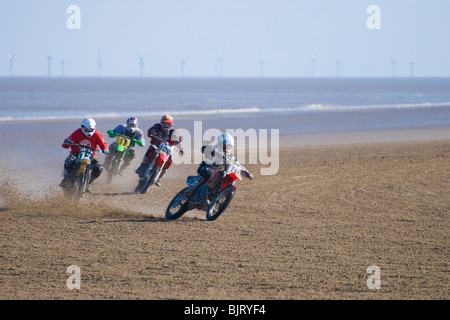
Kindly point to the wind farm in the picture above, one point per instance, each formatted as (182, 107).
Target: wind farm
(312, 68)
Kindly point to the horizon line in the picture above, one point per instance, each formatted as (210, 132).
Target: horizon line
(222, 77)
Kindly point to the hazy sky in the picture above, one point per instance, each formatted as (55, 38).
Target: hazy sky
(286, 34)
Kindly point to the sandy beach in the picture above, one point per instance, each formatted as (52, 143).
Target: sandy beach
(339, 204)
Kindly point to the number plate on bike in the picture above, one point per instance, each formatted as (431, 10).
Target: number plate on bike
(85, 154)
(123, 142)
(165, 148)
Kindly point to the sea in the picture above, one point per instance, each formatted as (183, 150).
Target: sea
(293, 105)
(37, 114)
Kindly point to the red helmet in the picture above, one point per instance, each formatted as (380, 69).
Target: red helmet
(166, 123)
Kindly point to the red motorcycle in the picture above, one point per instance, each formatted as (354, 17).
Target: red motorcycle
(152, 172)
(213, 196)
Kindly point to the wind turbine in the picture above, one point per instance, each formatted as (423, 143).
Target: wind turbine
(313, 61)
(261, 68)
(141, 64)
(62, 67)
(11, 63)
(338, 68)
(220, 62)
(411, 64)
(99, 64)
(49, 62)
(394, 62)
(183, 63)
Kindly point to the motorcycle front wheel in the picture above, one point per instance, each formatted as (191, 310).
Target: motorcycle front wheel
(177, 207)
(79, 186)
(146, 181)
(220, 203)
(84, 182)
(71, 190)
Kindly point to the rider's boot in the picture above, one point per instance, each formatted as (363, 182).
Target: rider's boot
(65, 181)
(88, 187)
(158, 183)
(193, 187)
(96, 172)
(141, 167)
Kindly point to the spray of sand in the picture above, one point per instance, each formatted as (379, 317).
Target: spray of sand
(52, 201)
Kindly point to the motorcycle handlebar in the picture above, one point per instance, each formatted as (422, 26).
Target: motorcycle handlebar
(113, 133)
(241, 168)
(156, 137)
(161, 140)
(80, 145)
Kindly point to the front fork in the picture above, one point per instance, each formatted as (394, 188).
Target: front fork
(149, 162)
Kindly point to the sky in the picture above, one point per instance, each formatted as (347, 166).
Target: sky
(225, 38)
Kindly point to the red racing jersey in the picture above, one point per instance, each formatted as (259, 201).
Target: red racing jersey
(79, 137)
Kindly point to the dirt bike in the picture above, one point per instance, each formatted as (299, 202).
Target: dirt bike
(213, 196)
(116, 158)
(81, 174)
(152, 172)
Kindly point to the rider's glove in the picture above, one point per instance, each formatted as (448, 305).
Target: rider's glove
(250, 175)
(182, 151)
(67, 141)
(105, 151)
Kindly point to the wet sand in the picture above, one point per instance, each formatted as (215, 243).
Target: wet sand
(337, 206)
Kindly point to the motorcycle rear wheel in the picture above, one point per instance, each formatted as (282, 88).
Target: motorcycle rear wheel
(114, 169)
(220, 203)
(176, 208)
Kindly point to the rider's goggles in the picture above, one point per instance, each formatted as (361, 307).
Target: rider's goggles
(88, 129)
(166, 125)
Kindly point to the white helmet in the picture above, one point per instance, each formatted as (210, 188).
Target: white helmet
(88, 126)
(225, 143)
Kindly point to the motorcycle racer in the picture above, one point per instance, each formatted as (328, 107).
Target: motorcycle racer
(131, 130)
(216, 157)
(86, 135)
(163, 130)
